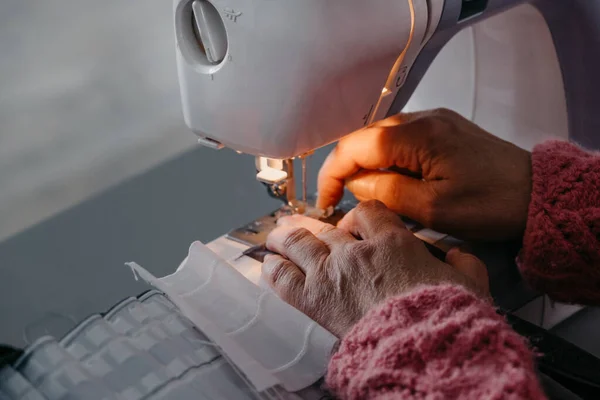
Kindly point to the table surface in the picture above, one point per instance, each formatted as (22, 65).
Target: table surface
(72, 265)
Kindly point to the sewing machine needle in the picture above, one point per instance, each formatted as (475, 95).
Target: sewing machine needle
(304, 179)
(291, 183)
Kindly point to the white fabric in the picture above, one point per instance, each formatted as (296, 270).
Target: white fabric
(271, 342)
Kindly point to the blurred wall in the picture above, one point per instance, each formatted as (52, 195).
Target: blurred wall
(88, 97)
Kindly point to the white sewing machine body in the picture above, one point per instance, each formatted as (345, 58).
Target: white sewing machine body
(279, 79)
(291, 77)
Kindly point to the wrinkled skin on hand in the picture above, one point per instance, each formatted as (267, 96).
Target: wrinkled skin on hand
(336, 274)
(460, 179)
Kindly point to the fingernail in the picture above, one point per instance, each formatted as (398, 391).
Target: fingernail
(285, 220)
(452, 251)
(360, 184)
(266, 265)
(321, 203)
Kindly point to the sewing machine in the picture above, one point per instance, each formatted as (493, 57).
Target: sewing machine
(279, 79)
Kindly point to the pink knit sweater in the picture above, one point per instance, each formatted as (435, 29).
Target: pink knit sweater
(441, 342)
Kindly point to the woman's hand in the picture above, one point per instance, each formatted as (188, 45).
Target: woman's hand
(459, 178)
(335, 275)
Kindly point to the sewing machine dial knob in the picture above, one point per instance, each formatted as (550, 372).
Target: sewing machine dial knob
(209, 30)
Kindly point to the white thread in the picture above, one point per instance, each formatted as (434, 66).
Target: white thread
(133, 270)
(256, 315)
(301, 353)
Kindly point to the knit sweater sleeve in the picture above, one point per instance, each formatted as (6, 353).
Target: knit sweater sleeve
(435, 342)
(561, 246)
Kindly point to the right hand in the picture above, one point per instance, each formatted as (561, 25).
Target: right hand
(470, 183)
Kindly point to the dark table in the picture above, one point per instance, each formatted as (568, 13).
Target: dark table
(61, 270)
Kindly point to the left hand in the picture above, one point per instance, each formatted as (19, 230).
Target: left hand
(450, 175)
(335, 275)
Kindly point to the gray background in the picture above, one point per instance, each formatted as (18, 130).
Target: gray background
(88, 97)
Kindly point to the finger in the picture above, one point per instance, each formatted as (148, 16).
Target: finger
(286, 279)
(391, 143)
(325, 232)
(298, 245)
(300, 221)
(471, 266)
(402, 194)
(369, 219)
(400, 118)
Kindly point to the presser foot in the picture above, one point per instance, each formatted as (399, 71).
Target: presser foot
(255, 233)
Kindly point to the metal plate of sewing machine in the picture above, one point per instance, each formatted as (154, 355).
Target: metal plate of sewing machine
(254, 234)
